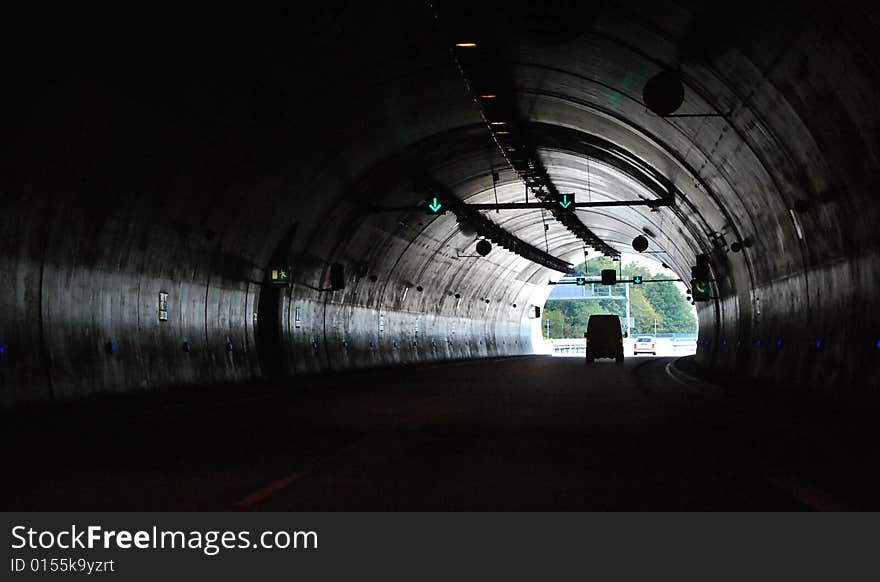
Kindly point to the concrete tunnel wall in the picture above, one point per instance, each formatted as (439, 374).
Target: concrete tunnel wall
(191, 167)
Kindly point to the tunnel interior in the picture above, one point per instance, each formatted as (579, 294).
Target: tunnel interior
(155, 172)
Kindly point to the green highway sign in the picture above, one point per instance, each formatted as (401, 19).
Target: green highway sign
(280, 276)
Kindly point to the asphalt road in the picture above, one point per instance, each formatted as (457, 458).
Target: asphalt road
(535, 433)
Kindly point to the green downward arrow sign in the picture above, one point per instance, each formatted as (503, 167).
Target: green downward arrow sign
(435, 206)
(565, 203)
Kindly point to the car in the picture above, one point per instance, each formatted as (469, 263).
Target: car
(644, 345)
(604, 338)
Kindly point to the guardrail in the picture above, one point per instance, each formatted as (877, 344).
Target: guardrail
(579, 345)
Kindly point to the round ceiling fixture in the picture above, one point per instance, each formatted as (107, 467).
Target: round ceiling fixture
(640, 244)
(484, 247)
(664, 92)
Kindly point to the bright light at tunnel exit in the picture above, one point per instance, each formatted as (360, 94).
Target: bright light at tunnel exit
(675, 344)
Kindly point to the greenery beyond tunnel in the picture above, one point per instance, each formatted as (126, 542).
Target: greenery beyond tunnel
(662, 304)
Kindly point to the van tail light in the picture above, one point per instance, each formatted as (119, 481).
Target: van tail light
(588, 340)
(652, 346)
(621, 341)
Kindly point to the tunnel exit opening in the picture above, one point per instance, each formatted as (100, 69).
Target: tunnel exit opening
(658, 316)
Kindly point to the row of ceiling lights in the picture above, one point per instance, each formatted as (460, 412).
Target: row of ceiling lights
(500, 113)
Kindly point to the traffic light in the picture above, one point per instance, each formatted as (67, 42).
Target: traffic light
(700, 279)
(435, 205)
(609, 277)
(637, 280)
(701, 289)
(581, 281)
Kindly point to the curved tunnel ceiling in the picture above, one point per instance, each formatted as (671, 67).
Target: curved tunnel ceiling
(185, 159)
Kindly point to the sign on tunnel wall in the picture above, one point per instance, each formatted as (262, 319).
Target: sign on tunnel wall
(280, 275)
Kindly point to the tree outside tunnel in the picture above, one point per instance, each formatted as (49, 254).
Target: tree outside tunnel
(661, 302)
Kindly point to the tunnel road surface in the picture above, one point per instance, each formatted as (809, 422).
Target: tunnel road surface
(530, 433)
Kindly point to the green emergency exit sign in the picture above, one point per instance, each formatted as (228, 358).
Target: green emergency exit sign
(280, 276)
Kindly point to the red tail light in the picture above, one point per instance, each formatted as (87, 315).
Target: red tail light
(588, 340)
(621, 341)
(652, 346)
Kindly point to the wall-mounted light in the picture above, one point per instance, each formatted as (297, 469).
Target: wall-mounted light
(465, 45)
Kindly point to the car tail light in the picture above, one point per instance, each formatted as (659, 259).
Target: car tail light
(621, 341)
(588, 340)
(652, 346)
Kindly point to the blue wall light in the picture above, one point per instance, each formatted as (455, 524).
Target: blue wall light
(110, 347)
(818, 344)
(230, 347)
(758, 343)
(779, 343)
